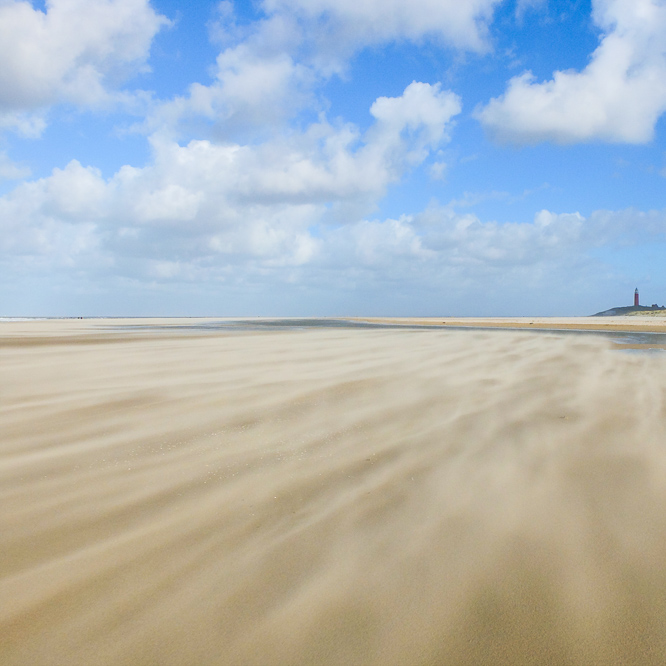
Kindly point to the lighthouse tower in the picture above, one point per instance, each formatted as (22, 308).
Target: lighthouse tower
(636, 297)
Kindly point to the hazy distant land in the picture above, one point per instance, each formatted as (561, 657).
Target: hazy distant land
(633, 310)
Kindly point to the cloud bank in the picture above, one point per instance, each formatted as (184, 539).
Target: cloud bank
(251, 184)
(215, 205)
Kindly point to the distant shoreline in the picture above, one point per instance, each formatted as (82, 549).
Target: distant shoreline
(650, 324)
(654, 322)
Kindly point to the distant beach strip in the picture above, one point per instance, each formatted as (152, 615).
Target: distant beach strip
(625, 332)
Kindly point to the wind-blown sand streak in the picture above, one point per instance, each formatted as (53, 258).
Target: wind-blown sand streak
(330, 497)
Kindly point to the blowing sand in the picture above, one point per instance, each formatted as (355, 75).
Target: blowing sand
(329, 496)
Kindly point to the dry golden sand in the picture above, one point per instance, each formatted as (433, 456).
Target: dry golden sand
(329, 496)
(654, 322)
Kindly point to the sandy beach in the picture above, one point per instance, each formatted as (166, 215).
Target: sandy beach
(654, 322)
(389, 496)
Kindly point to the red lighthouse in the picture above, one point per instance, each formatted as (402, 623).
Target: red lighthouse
(636, 298)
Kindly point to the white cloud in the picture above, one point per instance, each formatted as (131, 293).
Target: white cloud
(523, 6)
(26, 124)
(351, 24)
(11, 171)
(211, 215)
(440, 250)
(80, 51)
(618, 97)
(378, 244)
(422, 108)
(206, 204)
(259, 84)
(76, 51)
(438, 171)
(464, 238)
(197, 214)
(268, 72)
(294, 210)
(251, 92)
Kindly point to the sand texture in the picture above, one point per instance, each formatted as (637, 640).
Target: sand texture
(654, 322)
(316, 497)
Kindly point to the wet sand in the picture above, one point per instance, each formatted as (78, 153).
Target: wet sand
(329, 496)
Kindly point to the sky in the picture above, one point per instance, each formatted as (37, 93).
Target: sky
(331, 157)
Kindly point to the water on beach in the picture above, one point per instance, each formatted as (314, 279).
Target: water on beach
(331, 495)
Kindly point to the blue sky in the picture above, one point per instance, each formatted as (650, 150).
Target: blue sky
(331, 157)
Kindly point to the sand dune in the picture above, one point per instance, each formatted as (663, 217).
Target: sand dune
(329, 497)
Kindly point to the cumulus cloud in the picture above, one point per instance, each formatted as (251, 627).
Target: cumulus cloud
(440, 248)
(251, 92)
(259, 82)
(80, 51)
(207, 205)
(350, 24)
(618, 97)
(10, 170)
(211, 215)
(173, 223)
(267, 73)
(228, 211)
(76, 51)
(523, 6)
